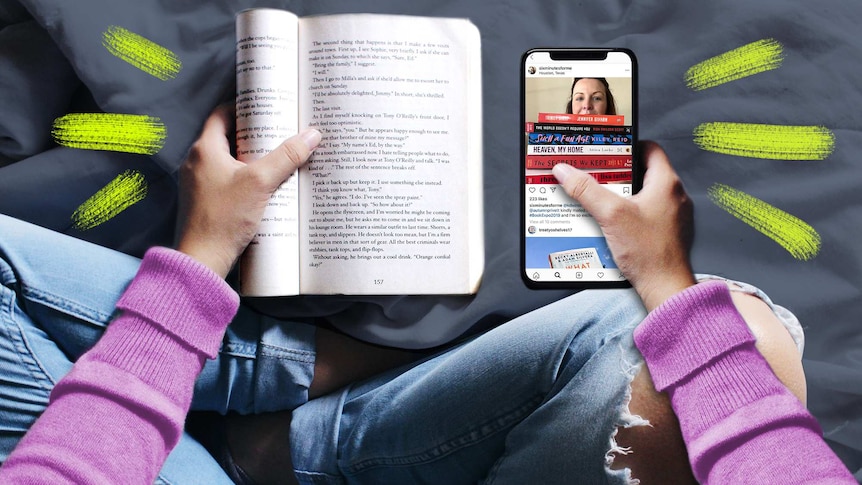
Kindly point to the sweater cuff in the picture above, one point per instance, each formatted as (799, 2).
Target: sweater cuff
(689, 330)
(182, 297)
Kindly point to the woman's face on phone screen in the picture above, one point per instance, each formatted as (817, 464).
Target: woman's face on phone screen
(589, 97)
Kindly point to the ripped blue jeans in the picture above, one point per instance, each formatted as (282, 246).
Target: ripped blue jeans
(533, 401)
(536, 400)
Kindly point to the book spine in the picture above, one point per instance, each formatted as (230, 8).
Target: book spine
(617, 120)
(579, 149)
(547, 162)
(607, 177)
(612, 177)
(572, 128)
(579, 139)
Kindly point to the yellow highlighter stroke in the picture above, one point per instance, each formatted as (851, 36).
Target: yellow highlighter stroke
(795, 235)
(127, 189)
(756, 57)
(777, 142)
(140, 134)
(142, 53)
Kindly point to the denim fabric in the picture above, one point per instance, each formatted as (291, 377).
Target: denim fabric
(533, 401)
(58, 293)
(536, 400)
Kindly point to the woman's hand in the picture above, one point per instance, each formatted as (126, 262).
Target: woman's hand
(222, 199)
(650, 233)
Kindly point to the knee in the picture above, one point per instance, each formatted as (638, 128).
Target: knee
(657, 452)
(773, 342)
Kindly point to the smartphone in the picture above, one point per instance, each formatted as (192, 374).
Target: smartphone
(579, 107)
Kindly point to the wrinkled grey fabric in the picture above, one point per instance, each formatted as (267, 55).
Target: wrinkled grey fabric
(52, 62)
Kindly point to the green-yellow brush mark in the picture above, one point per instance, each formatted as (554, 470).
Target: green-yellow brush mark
(738, 63)
(110, 131)
(792, 233)
(130, 187)
(141, 52)
(778, 142)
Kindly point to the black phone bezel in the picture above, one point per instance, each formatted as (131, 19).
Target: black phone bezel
(580, 53)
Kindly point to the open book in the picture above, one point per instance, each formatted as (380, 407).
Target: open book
(391, 201)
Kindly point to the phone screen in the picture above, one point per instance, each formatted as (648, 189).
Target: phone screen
(579, 107)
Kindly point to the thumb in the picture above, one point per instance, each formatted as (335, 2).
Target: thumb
(582, 187)
(279, 164)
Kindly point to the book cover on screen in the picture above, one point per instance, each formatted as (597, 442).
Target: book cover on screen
(581, 258)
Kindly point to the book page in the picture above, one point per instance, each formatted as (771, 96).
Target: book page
(392, 199)
(266, 114)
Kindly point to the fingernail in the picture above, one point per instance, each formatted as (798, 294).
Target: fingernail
(311, 138)
(563, 171)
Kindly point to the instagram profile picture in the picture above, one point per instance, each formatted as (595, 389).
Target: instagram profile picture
(531, 229)
(531, 69)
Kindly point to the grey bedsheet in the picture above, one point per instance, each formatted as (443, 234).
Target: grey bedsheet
(52, 63)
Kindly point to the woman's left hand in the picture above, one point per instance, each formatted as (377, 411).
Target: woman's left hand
(222, 199)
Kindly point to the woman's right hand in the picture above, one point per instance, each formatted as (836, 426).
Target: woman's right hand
(650, 233)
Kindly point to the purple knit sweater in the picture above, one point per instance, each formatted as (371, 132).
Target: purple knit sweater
(115, 417)
(739, 423)
(129, 395)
